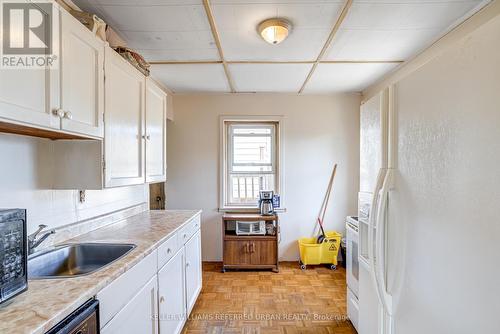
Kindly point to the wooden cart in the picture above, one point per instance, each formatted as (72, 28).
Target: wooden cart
(249, 251)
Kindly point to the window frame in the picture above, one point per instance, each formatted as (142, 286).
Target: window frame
(225, 148)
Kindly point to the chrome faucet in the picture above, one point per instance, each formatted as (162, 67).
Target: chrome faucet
(34, 242)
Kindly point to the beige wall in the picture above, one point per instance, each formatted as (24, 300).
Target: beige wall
(318, 132)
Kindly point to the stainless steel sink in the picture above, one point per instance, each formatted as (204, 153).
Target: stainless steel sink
(75, 260)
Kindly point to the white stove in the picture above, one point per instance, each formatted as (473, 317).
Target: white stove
(352, 251)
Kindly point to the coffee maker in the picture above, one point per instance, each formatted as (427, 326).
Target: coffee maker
(266, 202)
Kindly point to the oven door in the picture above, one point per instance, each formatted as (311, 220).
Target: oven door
(352, 244)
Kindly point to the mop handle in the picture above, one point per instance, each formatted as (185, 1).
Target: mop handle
(324, 206)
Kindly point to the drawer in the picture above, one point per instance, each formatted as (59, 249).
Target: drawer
(188, 230)
(88, 326)
(352, 308)
(167, 250)
(117, 294)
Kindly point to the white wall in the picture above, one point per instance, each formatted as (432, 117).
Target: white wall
(25, 180)
(318, 132)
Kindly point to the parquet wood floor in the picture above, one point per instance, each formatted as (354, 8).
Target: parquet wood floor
(261, 302)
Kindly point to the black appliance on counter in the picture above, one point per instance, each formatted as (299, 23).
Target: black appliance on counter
(13, 253)
(85, 320)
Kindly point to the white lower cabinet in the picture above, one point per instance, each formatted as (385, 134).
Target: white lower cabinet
(172, 309)
(158, 293)
(139, 315)
(193, 270)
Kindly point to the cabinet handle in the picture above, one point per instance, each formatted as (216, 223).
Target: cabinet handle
(169, 251)
(154, 317)
(187, 264)
(58, 112)
(246, 248)
(68, 115)
(162, 299)
(252, 248)
(185, 235)
(146, 137)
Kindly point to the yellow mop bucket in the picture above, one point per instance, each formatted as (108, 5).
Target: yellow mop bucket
(325, 253)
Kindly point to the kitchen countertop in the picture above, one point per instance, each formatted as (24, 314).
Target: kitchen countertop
(49, 301)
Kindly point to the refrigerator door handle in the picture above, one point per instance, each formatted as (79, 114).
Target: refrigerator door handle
(372, 225)
(380, 245)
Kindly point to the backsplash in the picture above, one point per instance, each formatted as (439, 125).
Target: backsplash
(67, 232)
(25, 182)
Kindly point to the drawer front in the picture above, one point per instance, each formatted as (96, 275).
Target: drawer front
(167, 250)
(116, 295)
(352, 308)
(189, 230)
(89, 326)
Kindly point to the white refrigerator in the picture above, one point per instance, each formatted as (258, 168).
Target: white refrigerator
(430, 195)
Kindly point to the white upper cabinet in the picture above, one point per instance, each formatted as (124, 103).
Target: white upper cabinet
(82, 79)
(29, 96)
(156, 132)
(68, 96)
(124, 143)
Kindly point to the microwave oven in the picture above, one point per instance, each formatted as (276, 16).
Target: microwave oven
(13, 253)
(250, 228)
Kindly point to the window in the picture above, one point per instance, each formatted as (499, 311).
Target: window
(250, 161)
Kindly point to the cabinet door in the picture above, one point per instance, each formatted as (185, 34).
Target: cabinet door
(193, 270)
(139, 315)
(171, 291)
(263, 252)
(123, 122)
(82, 78)
(28, 96)
(236, 252)
(156, 132)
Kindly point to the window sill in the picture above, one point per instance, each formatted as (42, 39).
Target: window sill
(247, 210)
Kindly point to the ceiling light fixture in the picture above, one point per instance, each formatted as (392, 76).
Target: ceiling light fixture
(274, 31)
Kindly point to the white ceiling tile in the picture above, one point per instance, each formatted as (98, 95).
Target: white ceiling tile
(269, 77)
(156, 18)
(247, 45)
(180, 55)
(175, 45)
(191, 78)
(311, 23)
(147, 2)
(333, 78)
(394, 29)
(413, 15)
(379, 44)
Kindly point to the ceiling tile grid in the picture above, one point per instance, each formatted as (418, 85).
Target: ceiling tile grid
(160, 30)
(373, 30)
(394, 29)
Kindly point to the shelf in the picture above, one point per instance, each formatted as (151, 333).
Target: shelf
(248, 217)
(25, 130)
(233, 236)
